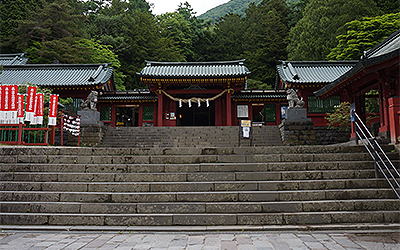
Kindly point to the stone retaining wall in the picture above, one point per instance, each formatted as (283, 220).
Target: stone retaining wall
(304, 133)
(92, 134)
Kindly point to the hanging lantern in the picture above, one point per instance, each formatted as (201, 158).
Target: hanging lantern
(190, 103)
(198, 103)
(180, 103)
(208, 104)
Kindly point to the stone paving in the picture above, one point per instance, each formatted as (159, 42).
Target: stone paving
(371, 240)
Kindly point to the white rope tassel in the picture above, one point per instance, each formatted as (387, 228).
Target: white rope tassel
(180, 103)
(198, 102)
(208, 104)
(190, 103)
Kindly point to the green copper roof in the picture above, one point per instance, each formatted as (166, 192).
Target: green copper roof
(13, 59)
(194, 69)
(57, 75)
(313, 72)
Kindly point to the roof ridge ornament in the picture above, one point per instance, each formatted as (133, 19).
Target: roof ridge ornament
(96, 73)
(293, 71)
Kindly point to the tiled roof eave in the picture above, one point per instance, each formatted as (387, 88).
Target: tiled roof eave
(355, 70)
(192, 77)
(194, 70)
(60, 75)
(312, 73)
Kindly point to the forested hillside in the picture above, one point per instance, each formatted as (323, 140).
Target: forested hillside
(234, 6)
(126, 33)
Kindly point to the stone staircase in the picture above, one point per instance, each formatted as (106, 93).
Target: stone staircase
(188, 137)
(194, 186)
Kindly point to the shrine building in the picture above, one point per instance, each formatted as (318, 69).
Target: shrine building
(192, 94)
(377, 70)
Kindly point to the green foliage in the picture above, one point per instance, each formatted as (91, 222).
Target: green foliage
(200, 34)
(265, 36)
(262, 35)
(297, 9)
(232, 7)
(314, 35)
(256, 84)
(388, 6)
(174, 26)
(363, 35)
(340, 118)
(12, 12)
(228, 31)
(53, 22)
(135, 36)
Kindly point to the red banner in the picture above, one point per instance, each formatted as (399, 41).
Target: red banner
(13, 97)
(2, 113)
(53, 110)
(30, 103)
(38, 109)
(20, 111)
(13, 104)
(6, 98)
(53, 105)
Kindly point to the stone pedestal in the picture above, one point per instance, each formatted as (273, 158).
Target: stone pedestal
(92, 129)
(297, 132)
(296, 115)
(90, 117)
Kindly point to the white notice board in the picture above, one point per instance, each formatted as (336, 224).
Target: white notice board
(242, 111)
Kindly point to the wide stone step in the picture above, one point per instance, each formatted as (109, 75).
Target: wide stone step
(188, 136)
(209, 196)
(337, 217)
(190, 177)
(201, 207)
(192, 186)
(180, 159)
(184, 168)
(102, 151)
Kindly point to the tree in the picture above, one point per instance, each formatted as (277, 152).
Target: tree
(363, 35)
(200, 33)
(55, 21)
(229, 40)
(314, 35)
(388, 6)
(134, 34)
(340, 118)
(13, 11)
(173, 25)
(265, 38)
(297, 9)
(144, 41)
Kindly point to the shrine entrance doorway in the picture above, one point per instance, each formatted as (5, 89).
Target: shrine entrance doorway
(196, 116)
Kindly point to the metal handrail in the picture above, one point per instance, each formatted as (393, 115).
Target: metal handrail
(376, 152)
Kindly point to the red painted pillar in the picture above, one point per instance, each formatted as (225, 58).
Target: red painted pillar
(160, 109)
(113, 115)
(394, 118)
(20, 130)
(229, 108)
(384, 109)
(140, 122)
(52, 135)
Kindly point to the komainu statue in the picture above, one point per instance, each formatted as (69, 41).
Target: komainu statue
(91, 101)
(293, 99)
